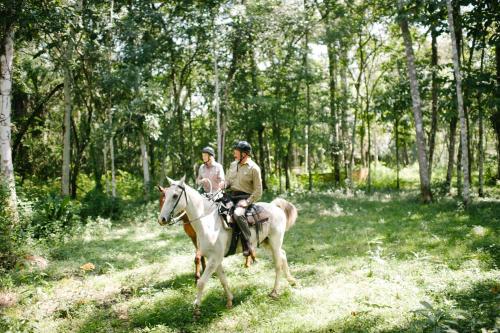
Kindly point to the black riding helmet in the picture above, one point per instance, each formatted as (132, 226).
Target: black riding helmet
(209, 150)
(243, 147)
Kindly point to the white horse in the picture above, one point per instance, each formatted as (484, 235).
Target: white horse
(214, 240)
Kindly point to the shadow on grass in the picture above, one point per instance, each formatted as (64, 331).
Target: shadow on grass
(108, 255)
(474, 309)
(176, 312)
(353, 323)
(401, 225)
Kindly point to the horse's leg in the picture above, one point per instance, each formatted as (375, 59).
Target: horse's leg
(275, 249)
(225, 285)
(203, 262)
(188, 229)
(286, 270)
(207, 273)
(275, 243)
(248, 261)
(197, 260)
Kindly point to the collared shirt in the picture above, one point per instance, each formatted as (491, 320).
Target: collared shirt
(245, 178)
(214, 172)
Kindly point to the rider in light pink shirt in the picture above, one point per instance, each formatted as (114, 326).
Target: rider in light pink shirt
(210, 170)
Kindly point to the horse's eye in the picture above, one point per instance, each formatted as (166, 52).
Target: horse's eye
(175, 196)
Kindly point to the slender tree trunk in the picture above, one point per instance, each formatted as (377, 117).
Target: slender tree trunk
(357, 86)
(343, 80)
(425, 186)
(308, 107)
(460, 103)
(220, 136)
(262, 156)
(451, 153)
(396, 130)
(481, 147)
(434, 98)
(481, 131)
(495, 118)
(335, 151)
(288, 158)
(6, 165)
(145, 166)
(110, 111)
(368, 126)
(105, 159)
(459, 169)
(191, 136)
(65, 180)
(260, 127)
(353, 138)
(112, 155)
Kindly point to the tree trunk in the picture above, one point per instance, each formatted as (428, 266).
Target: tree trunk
(288, 158)
(6, 165)
(434, 98)
(451, 153)
(481, 132)
(396, 130)
(308, 107)
(145, 166)
(343, 80)
(65, 179)
(105, 163)
(459, 169)
(425, 187)
(368, 127)
(495, 118)
(335, 151)
(220, 141)
(262, 156)
(112, 156)
(460, 105)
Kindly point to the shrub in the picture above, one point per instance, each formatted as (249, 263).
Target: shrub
(97, 203)
(6, 239)
(54, 216)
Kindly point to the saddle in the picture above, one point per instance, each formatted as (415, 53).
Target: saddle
(252, 214)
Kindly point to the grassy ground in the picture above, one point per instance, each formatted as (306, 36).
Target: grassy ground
(379, 263)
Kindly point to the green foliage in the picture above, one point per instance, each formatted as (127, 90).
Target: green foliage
(54, 217)
(97, 203)
(6, 235)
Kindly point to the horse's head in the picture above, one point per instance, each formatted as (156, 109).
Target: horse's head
(173, 201)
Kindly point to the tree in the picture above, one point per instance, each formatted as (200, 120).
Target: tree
(460, 105)
(6, 165)
(425, 186)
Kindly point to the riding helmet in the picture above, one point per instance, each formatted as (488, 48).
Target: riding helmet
(209, 150)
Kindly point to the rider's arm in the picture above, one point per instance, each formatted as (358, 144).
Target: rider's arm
(199, 178)
(257, 186)
(221, 177)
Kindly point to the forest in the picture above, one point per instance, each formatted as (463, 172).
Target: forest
(357, 111)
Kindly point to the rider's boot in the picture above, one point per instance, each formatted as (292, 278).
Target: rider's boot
(248, 250)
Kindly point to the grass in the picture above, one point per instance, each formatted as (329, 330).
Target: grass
(378, 263)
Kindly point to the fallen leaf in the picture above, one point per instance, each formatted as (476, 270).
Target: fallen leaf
(88, 267)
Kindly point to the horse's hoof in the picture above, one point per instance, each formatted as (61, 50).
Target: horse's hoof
(273, 294)
(196, 313)
(293, 282)
(229, 305)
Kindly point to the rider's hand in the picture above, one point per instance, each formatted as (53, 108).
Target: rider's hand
(243, 203)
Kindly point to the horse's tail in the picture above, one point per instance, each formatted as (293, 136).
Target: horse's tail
(289, 209)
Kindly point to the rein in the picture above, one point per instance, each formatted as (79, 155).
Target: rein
(179, 217)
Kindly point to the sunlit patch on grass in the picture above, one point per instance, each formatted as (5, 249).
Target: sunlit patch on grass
(363, 263)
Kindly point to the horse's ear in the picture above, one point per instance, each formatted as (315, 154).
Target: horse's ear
(181, 182)
(170, 181)
(161, 189)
